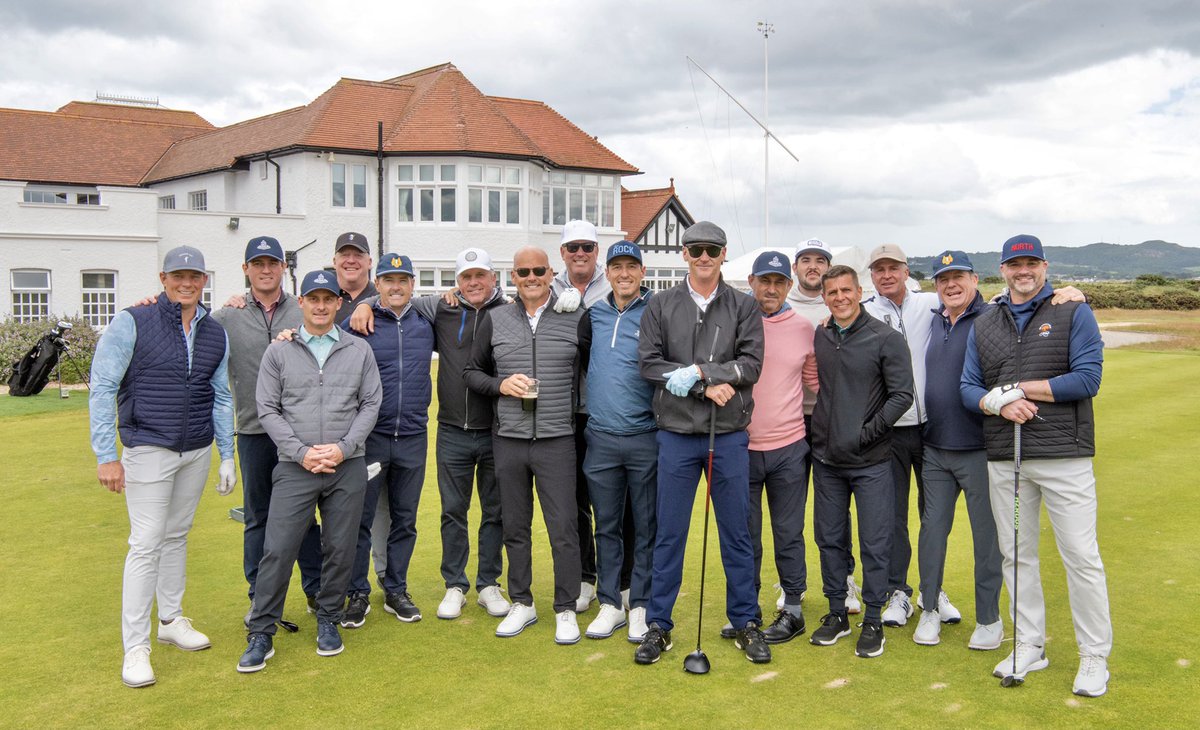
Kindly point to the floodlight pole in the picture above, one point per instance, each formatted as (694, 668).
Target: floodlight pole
(766, 29)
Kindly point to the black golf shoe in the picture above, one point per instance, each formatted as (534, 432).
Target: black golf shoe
(729, 632)
(656, 642)
(833, 627)
(870, 641)
(751, 641)
(357, 609)
(401, 606)
(784, 628)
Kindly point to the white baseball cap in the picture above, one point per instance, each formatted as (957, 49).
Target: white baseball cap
(814, 245)
(579, 231)
(472, 258)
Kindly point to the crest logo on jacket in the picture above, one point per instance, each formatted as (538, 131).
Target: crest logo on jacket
(1044, 329)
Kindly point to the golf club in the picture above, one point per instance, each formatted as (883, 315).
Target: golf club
(697, 661)
(1012, 680)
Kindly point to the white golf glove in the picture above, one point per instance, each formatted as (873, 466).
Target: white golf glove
(680, 381)
(226, 477)
(568, 301)
(1001, 396)
(373, 470)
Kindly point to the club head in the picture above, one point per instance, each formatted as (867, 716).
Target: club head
(1011, 681)
(696, 663)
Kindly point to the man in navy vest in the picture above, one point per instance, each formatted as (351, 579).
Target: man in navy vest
(1043, 366)
(402, 341)
(161, 371)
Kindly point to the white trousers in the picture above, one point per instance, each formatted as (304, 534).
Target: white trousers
(1068, 489)
(162, 490)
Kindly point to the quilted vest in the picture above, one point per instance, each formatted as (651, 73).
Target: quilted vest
(403, 348)
(550, 355)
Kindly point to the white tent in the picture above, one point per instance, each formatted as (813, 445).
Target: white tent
(736, 271)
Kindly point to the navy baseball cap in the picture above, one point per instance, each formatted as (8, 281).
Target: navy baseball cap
(772, 262)
(183, 258)
(319, 279)
(623, 248)
(952, 261)
(263, 246)
(1022, 245)
(357, 240)
(394, 263)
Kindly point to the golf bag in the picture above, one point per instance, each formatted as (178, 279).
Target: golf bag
(31, 373)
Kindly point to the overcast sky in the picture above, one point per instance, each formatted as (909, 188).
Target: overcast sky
(931, 124)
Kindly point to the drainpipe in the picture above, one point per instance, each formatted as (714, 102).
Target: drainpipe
(379, 196)
(278, 186)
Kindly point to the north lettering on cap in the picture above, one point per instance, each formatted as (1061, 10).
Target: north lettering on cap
(1022, 247)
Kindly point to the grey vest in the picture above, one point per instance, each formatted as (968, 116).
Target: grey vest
(550, 355)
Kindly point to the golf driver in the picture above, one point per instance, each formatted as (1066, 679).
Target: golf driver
(1012, 680)
(697, 661)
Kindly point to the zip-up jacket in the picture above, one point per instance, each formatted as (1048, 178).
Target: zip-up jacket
(866, 384)
(726, 341)
(911, 319)
(504, 345)
(249, 334)
(403, 348)
(950, 426)
(619, 400)
(596, 290)
(301, 405)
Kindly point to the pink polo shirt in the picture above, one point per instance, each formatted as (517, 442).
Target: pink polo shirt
(788, 365)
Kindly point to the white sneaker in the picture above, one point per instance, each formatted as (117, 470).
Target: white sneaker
(625, 599)
(637, 624)
(493, 602)
(606, 622)
(452, 605)
(180, 633)
(566, 630)
(137, 672)
(1092, 678)
(853, 596)
(587, 594)
(945, 609)
(986, 637)
(898, 609)
(1030, 658)
(929, 629)
(519, 616)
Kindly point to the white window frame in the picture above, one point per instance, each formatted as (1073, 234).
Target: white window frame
(585, 196)
(166, 202)
(99, 304)
(495, 186)
(416, 180)
(198, 200)
(350, 186)
(206, 296)
(30, 303)
(45, 196)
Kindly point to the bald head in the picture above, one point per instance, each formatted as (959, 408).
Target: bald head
(531, 275)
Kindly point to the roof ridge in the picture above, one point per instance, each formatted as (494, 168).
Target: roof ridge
(397, 80)
(106, 120)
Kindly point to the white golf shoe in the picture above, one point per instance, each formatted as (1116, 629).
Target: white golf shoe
(1092, 678)
(519, 616)
(606, 622)
(637, 624)
(136, 671)
(587, 594)
(929, 629)
(566, 628)
(945, 609)
(853, 596)
(625, 599)
(898, 609)
(986, 637)
(1030, 658)
(181, 634)
(493, 602)
(452, 604)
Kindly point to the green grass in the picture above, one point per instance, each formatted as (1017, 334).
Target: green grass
(63, 539)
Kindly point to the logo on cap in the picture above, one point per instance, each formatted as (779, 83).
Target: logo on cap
(947, 260)
(349, 236)
(263, 245)
(1022, 247)
(395, 262)
(186, 257)
(320, 279)
(775, 261)
(469, 256)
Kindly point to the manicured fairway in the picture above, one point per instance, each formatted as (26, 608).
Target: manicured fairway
(62, 547)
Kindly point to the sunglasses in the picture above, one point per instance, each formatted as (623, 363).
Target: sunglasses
(574, 247)
(698, 250)
(536, 271)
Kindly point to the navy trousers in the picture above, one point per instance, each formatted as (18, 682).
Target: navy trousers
(402, 474)
(780, 472)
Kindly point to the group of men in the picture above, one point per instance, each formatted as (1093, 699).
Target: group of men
(610, 400)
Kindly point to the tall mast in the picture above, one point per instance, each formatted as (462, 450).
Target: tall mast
(766, 29)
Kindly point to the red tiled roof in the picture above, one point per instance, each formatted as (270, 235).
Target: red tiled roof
(154, 115)
(435, 110)
(55, 147)
(639, 208)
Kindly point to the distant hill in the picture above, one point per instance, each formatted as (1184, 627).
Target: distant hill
(1094, 261)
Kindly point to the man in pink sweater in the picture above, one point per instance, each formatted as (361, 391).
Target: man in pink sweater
(778, 451)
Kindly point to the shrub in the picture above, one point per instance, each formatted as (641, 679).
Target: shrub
(17, 338)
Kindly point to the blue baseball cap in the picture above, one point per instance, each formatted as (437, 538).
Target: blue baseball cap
(319, 279)
(772, 262)
(183, 258)
(952, 261)
(264, 246)
(1022, 245)
(623, 248)
(394, 263)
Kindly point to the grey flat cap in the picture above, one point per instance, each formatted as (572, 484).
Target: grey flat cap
(704, 232)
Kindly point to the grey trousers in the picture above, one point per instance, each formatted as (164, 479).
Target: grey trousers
(296, 492)
(783, 474)
(947, 473)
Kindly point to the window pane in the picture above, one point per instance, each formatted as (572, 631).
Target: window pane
(493, 206)
(546, 207)
(591, 180)
(513, 214)
(96, 280)
(406, 204)
(560, 206)
(338, 175)
(167, 202)
(512, 175)
(448, 211)
(448, 173)
(198, 200)
(426, 172)
(558, 177)
(590, 209)
(606, 181)
(475, 205)
(405, 173)
(474, 173)
(426, 276)
(31, 280)
(493, 174)
(360, 186)
(574, 178)
(426, 204)
(447, 278)
(607, 209)
(576, 210)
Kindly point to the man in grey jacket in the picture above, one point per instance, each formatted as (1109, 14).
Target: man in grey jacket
(318, 397)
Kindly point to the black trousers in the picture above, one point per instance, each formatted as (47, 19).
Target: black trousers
(907, 457)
